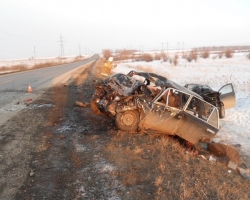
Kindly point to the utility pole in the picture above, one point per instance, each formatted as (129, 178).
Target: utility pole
(79, 49)
(61, 45)
(34, 53)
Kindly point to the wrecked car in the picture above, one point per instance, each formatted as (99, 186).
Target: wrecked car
(147, 101)
(223, 98)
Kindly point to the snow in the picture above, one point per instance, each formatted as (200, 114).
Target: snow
(215, 72)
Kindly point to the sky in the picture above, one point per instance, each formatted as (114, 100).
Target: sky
(40, 28)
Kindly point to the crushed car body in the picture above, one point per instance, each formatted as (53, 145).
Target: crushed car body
(223, 99)
(147, 101)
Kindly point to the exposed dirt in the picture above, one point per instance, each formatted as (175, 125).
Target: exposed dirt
(54, 149)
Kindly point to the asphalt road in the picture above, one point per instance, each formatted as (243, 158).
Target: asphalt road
(38, 78)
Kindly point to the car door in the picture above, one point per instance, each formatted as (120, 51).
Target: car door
(200, 121)
(160, 116)
(227, 95)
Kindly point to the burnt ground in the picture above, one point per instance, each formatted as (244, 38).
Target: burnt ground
(54, 149)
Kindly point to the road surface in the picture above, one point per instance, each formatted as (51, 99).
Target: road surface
(38, 78)
(14, 94)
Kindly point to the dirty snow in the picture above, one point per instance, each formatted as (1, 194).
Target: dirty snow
(215, 72)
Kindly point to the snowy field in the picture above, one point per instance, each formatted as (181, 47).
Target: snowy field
(215, 72)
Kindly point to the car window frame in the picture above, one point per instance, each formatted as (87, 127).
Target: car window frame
(184, 108)
(215, 109)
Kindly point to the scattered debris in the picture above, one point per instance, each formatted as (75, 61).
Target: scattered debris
(27, 100)
(11, 109)
(80, 104)
(62, 137)
(212, 159)
(232, 165)
(223, 150)
(245, 173)
(32, 173)
(40, 105)
(64, 128)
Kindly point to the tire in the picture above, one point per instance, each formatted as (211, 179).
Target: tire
(222, 111)
(128, 120)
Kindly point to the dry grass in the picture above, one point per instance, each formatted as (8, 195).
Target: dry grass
(205, 54)
(220, 54)
(157, 56)
(147, 57)
(229, 53)
(175, 61)
(155, 166)
(164, 56)
(158, 181)
(107, 53)
(192, 56)
(14, 68)
(46, 64)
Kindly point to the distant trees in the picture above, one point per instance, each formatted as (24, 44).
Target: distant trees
(164, 56)
(106, 53)
(175, 61)
(147, 57)
(229, 53)
(205, 54)
(157, 56)
(192, 56)
(220, 54)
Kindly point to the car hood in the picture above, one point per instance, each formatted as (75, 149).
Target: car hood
(123, 84)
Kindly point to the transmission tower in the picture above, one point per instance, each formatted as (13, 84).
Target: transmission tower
(61, 45)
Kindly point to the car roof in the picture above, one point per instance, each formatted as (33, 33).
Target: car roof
(162, 81)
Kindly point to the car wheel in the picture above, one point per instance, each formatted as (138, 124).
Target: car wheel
(128, 120)
(94, 107)
(222, 111)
